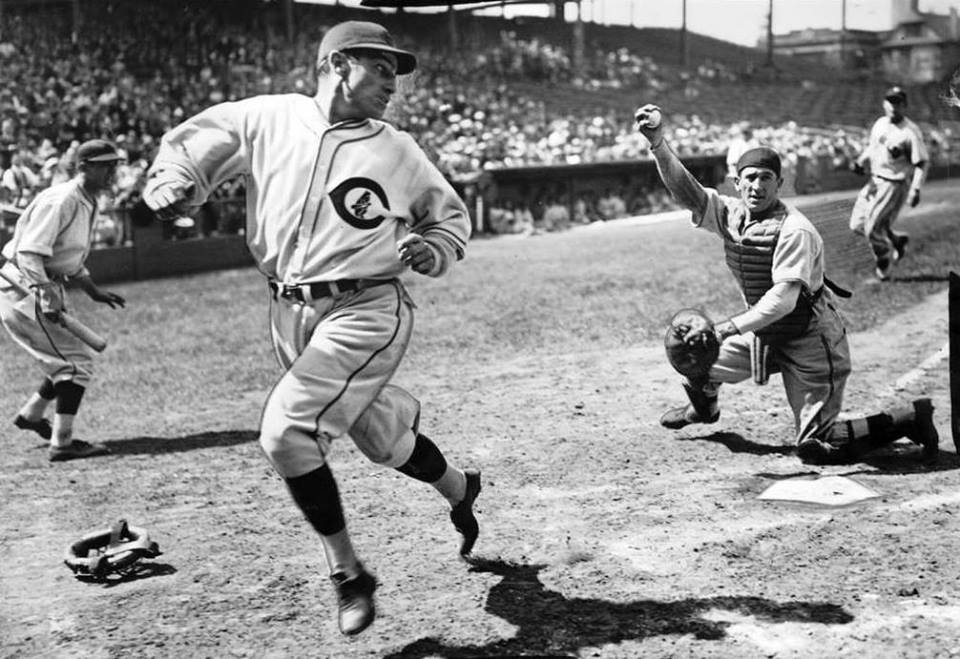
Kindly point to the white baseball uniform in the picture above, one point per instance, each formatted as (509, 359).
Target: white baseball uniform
(57, 226)
(326, 204)
(894, 150)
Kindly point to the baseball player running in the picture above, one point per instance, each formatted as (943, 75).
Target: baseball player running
(791, 324)
(50, 245)
(898, 161)
(338, 204)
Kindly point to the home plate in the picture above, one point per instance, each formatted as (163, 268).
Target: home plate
(826, 491)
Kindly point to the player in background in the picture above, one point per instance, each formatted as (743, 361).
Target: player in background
(791, 324)
(898, 160)
(50, 244)
(339, 203)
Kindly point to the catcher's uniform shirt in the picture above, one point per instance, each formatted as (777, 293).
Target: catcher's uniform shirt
(325, 203)
(895, 149)
(814, 366)
(799, 252)
(56, 225)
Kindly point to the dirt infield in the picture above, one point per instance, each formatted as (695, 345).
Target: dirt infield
(602, 535)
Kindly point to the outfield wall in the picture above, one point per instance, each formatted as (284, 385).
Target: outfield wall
(150, 250)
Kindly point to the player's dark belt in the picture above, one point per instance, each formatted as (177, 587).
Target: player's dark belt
(321, 289)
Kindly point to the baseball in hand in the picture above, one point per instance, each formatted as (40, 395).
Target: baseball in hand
(653, 119)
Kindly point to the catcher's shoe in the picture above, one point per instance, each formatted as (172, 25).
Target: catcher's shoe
(75, 450)
(818, 452)
(41, 427)
(356, 610)
(884, 269)
(922, 431)
(464, 521)
(678, 417)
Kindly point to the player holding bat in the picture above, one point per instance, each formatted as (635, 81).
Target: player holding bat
(50, 244)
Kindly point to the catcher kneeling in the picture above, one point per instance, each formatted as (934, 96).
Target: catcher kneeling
(791, 324)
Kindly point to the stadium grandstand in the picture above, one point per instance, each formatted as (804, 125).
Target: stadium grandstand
(493, 94)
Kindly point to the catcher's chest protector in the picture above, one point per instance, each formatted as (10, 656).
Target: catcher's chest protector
(750, 258)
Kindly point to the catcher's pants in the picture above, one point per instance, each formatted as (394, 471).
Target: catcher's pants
(814, 367)
(874, 212)
(340, 353)
(60, 355)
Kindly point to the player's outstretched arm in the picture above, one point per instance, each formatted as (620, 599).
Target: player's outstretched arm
(679, 181)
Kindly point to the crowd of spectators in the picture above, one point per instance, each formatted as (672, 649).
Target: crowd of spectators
(149, 65)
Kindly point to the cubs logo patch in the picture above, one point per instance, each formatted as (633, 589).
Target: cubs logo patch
(360, 202)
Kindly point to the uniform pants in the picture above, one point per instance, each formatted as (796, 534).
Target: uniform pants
(875, 211)
(60, 355)
(814, 368)
(340, 354)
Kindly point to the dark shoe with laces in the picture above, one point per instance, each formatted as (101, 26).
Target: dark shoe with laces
(818, 452)
(923, 432)
(75, 450)
(464, 521)
(900, 247)
(679, 417)
(356, 609)
(41, 427)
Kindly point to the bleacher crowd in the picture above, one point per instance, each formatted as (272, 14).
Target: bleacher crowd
(146, 66)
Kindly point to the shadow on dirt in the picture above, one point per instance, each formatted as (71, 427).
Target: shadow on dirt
(739, 444)
(155, 445)
(551, 625)
(136, 573)
(918, 278)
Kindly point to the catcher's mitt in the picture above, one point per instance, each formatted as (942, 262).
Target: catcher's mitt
(112, 551)
(691, 343)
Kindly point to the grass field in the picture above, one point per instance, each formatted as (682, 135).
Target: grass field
(539, 360)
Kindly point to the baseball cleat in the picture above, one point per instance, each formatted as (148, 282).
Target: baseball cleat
(356, 610)
(923, 431)
(41, 427)
(817, 452)
(678, 417)
(462, 515)
(76, 450)
(884, 267)
(900, 247)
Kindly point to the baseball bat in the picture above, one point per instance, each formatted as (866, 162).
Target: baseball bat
(70, 323)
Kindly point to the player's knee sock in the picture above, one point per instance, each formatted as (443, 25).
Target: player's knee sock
(317, 496)
(69, 394)
(39, 400)
(427, 464)
(865, 434)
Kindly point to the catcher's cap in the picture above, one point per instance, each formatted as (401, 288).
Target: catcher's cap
(363, 34)
(97, 151)
(761, 156)
(897, 94)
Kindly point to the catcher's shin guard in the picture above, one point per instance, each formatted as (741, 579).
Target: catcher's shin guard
(703, 408)
(915, 422)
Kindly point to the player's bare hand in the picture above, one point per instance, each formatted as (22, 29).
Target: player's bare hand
(167, 199)
(648, 120)
(914, 198)
(106, 297)
(417, 254)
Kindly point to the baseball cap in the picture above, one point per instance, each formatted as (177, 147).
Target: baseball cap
(363, 34)
(896, 93)
(97, 151)
(761, 156)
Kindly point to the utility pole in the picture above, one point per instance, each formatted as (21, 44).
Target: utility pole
(770, 34)
(843, 34)
(684, 47)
